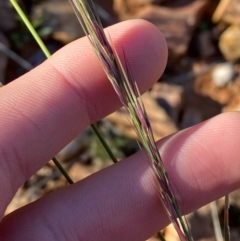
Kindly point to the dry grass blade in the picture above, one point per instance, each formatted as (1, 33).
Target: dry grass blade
(127, 90)
(215, 220)
(226, 219)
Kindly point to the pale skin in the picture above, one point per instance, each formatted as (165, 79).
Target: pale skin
(46, 108)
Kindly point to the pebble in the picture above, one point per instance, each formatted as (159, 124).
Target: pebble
(222, 74)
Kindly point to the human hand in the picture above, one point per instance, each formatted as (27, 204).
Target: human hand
(45, 109)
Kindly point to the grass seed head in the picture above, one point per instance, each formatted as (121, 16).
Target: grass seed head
(127, 90)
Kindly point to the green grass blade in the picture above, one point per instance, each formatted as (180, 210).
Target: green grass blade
(30, 28)
(62, 170)
(104, 143)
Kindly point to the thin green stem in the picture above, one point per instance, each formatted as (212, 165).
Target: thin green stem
(104, 143)
(30, 28)
(62, 170)
(183, 224)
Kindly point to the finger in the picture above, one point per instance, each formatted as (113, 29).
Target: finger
(45, 109)
(122, 203)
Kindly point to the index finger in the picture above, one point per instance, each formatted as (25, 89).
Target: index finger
(45, 109)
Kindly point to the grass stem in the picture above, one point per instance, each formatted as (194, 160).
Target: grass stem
(18, 59)
(104, 143)
(62, 170)
(215, 220)
(119, 75)
(30, 28)
(226, 219)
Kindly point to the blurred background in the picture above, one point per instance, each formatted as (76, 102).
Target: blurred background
(201, 80)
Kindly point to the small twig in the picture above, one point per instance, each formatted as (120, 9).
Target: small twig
(185, 77)
(105, 15)
(18, 59)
